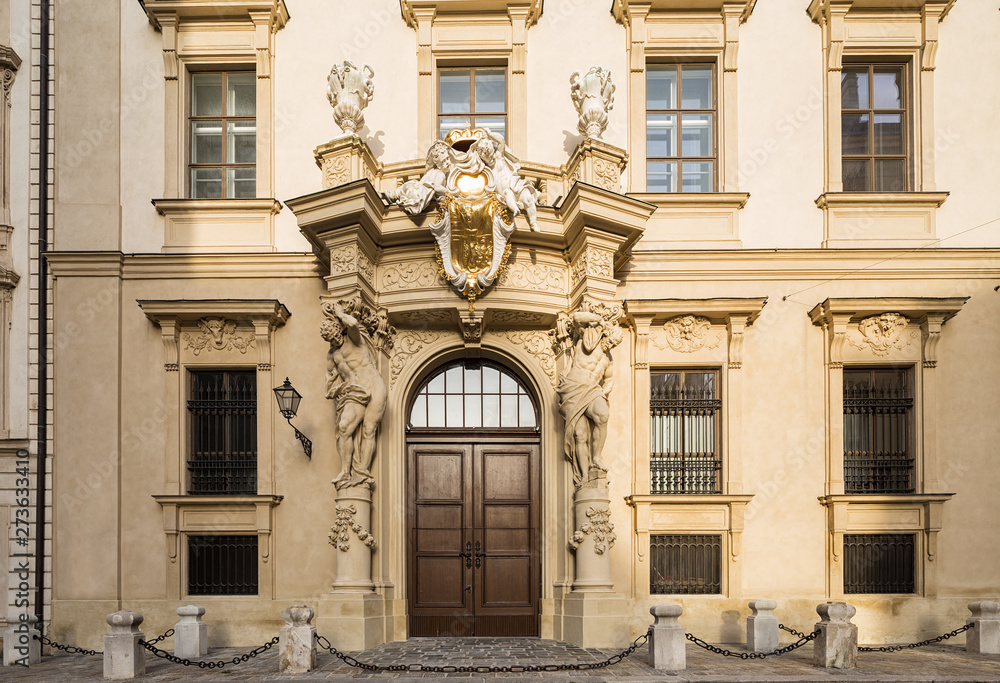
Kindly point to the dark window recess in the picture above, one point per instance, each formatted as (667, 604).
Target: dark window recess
(222, 565)
(877, 451)
(223, 411)
(684, 433)
(878, 563)
(685, 564)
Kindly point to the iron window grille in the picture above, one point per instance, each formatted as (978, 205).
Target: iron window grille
(681, 151)
(222, 565)
(877, 451)
(684, 432)
(879, 563)
(686, 564)
(223, 414)
(472, 98)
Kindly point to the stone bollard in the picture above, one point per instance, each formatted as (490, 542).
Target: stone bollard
(20, 640)
(190, 633)
(836, 646)
(124, 657)
(667, 646)
(762, 627)
(297, 641)
(984, 637)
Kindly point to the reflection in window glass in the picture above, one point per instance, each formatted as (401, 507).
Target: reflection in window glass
(873, 128)
(470, 395)
(680, 128)
(472, 98)
(223, 133)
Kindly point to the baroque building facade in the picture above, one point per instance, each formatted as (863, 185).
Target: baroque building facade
(591, 305)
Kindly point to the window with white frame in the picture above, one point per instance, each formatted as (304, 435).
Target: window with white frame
(223, 135)
(472, 97)
(681, 117)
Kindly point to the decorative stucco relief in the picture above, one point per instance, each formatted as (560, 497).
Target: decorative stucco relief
(336, 171)
(533, 276)
(517, 318)
(593, 263)
(218, 334)
(408, 344)
(601, 526)
(538, 344)
(607, 174)
(366, 268)
(687, 334)
(410, 275)
(342, 260)
(426, 317)
(339, 536)
(881, 334)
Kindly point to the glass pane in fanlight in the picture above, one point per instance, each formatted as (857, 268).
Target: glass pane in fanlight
(526, 411)
(661, 176)
(661, 135)
(508, 385)
(490, 90)
(206, 142)
(508, 410)
(661, 87)
(435, 411)
(854, 133)
(241, 138)
(453, 379)
(696, 87)
(436, 385)
(455, 91)
(456, 414)
(206, 94)
(473, 380)
(696, 135)
(418, 414)
(491, 410)
(241, 98)
(474, 411)
(491, 380)
(854, 88)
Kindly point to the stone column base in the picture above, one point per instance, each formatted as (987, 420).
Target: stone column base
(352, 621)
(596, 619)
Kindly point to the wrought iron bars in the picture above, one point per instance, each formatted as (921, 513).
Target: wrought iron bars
(685, 564)
(684, 423)
(879, 563)
(222, 565)
(223, 410)
(877, 407)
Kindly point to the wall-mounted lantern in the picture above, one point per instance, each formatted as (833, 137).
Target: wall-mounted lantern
(288, 404)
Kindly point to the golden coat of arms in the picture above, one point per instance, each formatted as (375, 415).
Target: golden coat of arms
(476, 182)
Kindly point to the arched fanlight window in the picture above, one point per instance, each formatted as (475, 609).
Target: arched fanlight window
(467, 395)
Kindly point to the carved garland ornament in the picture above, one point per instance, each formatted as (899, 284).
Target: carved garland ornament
(218, 334)
(881, 333)
(408, 344)
(601, 526)
(339, 536)
(536, 277)
(410, 275)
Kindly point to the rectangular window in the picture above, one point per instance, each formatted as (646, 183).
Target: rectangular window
(680, 128)
(222, 565)
(223, 419)
(878, 454)
(685, 564)
(223, 135)
(873, 128)
(684, 432)
(879, 563)
(472, 98)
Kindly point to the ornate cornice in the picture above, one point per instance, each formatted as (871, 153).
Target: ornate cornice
(819, 9)
(413, 9)
(624, 9)
(274, 11)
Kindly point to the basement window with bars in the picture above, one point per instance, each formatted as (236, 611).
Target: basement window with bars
(686, 564)
(223, 420)
(222, 565)
(879, 563)
(878, 454)
(684, 429)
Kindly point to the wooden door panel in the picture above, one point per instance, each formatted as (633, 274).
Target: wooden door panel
(507, 528)
(440, 582)
(439, 529)
(506, 475)
(507, 582)
(439, 476)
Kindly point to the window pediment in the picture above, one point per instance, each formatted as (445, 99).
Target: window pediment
(817, 8)
(623, 9)
(216, 12)
(412, 8)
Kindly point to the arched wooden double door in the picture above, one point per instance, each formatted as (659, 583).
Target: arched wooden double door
(473, 565)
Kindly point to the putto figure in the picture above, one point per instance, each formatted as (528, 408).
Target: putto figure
(349, 90)
(586, 337)
(476, 182)
(357, 389)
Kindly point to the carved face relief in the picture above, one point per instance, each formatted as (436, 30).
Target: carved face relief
(687, 333)
(881, 333)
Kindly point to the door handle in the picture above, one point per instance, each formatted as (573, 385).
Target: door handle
(479, 555)
(468, 555)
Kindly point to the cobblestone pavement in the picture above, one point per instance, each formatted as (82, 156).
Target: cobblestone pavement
(932, 663)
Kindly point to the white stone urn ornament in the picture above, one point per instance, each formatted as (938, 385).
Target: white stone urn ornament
(593, 96)
(349, 90)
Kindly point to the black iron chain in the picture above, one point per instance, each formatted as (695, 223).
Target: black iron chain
(797, 634)
(929, 641)
(752, 655)
(239, 659)
(450, 669)
(67, 648)
(166, 635)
